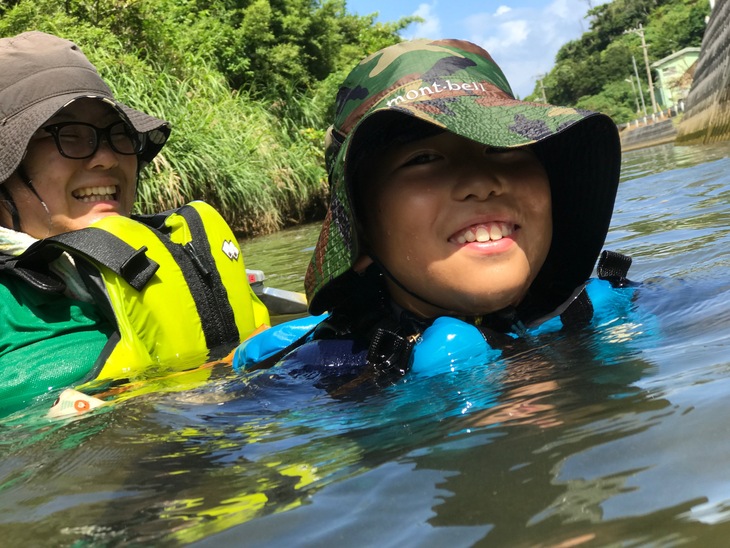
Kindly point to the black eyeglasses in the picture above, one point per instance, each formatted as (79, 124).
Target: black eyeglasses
(79, 140)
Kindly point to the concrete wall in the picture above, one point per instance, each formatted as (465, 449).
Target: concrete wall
(646, 136)
(707, 115)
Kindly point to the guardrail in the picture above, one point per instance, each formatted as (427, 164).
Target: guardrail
(659, 116)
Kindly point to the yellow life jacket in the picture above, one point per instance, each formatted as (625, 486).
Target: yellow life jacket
(175, 284)
(198, 301)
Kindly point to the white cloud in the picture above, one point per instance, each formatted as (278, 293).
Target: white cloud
(525, 40)
(430, 28)
(560, 8)
(514, 33)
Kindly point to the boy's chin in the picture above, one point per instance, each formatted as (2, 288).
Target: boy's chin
(481, 304)
(456, 308)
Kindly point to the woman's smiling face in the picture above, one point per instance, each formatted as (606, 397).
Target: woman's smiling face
(463, 226)
(76, 192)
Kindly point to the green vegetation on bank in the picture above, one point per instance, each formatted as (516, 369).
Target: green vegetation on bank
(249, 84)
(592, 71)
(246, 84)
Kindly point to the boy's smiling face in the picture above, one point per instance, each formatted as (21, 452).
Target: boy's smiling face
(461, 225)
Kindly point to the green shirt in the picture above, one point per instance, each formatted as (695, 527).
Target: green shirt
(47, 342)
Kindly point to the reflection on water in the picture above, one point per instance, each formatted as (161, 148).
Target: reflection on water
(672, 212)
(615, 437)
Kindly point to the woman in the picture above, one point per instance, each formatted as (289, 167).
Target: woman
(86, 292)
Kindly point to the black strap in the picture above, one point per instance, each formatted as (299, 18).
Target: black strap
(96, 244)
(40, 280)
(154, 220)
(613, 267)
(389, 351)
(579, 313)
(131, 264)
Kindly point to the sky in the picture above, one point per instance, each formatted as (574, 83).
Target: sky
(523, 36)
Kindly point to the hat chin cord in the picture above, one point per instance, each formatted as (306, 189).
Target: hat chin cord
(10, 206)
(397, 282)
(27, 181)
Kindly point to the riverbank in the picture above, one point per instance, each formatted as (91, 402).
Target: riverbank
(650, 131)
(707, 119)
(705, 115)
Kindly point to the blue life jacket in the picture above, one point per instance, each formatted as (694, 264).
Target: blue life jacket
(446, 345)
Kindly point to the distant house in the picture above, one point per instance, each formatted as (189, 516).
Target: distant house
(674, 76)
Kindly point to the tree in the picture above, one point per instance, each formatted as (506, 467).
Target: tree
(246, 84)
(598, 63)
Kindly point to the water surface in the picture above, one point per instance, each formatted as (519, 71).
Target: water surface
(617, 437)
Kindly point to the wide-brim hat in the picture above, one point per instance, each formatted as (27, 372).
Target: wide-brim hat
(457, 86)
(41, 74)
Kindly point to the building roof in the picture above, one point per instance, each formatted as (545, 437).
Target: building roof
(675, 55)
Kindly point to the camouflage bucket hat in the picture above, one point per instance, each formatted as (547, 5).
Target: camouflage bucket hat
(39, 75)
(456, 86)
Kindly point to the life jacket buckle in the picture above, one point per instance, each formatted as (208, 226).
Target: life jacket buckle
(138, 269)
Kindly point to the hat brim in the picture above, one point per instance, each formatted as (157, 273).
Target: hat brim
(581, 154)
(20, 128)
(583, 164)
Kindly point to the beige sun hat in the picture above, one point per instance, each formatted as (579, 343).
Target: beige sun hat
(41, 74)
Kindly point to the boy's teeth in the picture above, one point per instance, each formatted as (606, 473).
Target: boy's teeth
(485, 233)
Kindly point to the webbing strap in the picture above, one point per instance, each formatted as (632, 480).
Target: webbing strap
(131, 264)
(43, 281)
(579, 313)
(389, 350)
(96, 244)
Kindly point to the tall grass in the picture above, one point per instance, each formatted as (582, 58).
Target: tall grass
(260, 164)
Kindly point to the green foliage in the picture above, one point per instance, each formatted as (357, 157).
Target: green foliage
(682, 25)
(612, 100)
(226, 149)
(246, 84)
(592, 69)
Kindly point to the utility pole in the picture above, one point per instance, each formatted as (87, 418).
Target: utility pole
(630, 80)
(638, 83)
(542, 87)
(640, 32)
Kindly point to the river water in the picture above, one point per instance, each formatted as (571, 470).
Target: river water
(615, 438)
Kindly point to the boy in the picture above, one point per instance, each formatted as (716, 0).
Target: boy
(459, 215)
